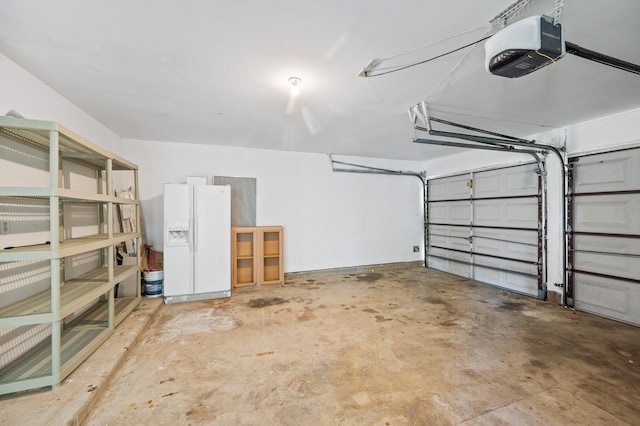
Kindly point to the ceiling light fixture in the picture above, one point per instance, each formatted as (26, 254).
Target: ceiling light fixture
(295, 85)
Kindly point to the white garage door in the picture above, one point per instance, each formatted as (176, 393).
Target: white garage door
(487, 226)
(604, 244)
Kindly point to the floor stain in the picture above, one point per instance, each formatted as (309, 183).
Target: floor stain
(307, 315)
(380, 318)
(370, 277)
(435, 300)
(537, 363)
(264, 302)
(511, 306)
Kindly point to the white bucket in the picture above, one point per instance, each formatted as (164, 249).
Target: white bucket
(153, 286)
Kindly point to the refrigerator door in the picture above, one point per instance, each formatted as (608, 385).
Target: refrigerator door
(178, 244)
(212, 242)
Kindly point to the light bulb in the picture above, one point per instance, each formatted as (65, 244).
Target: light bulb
(295, 85)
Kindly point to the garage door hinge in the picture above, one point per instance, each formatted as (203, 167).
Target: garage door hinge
(470, 183)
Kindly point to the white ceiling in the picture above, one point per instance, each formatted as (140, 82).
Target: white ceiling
(215, 72)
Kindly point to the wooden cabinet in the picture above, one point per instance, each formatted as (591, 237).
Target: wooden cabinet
(243, 256)
(57, 202)
(256, 255)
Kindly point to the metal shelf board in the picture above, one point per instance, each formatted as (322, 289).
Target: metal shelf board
(71, 145)
(79, 339)
(68, 247)
(98, 313)
(33, 369)
(65, 195)
(124, 306)
(74, 294)
(25, 191)
(71, 195)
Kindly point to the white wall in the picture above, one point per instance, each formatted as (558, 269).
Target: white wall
(330, 219)
(24, 93)
(610, 132)
(603, 133)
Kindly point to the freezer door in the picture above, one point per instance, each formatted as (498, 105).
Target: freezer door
(212, 242)
(178, 244)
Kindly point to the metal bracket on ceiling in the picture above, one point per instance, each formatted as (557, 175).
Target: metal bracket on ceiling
(505, 17)
(362, 168)
(556, 12)
(419, 116)
(509, 15)
(421, 120)
(495, 147)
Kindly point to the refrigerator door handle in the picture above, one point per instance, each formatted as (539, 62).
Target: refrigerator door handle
(195, 234)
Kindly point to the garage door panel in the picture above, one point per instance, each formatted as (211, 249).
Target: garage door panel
(616, 214)
(460, 214)
(605, 245)
(487, 184)
(438, 213)
(449, 188)
(508, 280)
(517, 213)
(451, 267)
(510, 265)
(615, 171)
(449, 254)
(511, 235)
(501, 245)
(454, 213)
(611, 298)
(618, 266)
(443, 260)
(615, 245)
(508, 182)
(449, 237)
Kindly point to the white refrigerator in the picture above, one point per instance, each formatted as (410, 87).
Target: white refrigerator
(197, 242)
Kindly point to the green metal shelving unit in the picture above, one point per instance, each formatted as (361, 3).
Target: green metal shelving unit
(79, 313)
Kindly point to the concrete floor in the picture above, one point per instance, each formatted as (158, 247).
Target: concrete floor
(395, 347)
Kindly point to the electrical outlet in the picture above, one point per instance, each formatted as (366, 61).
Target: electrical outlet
(4, 227)
(416, 249)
